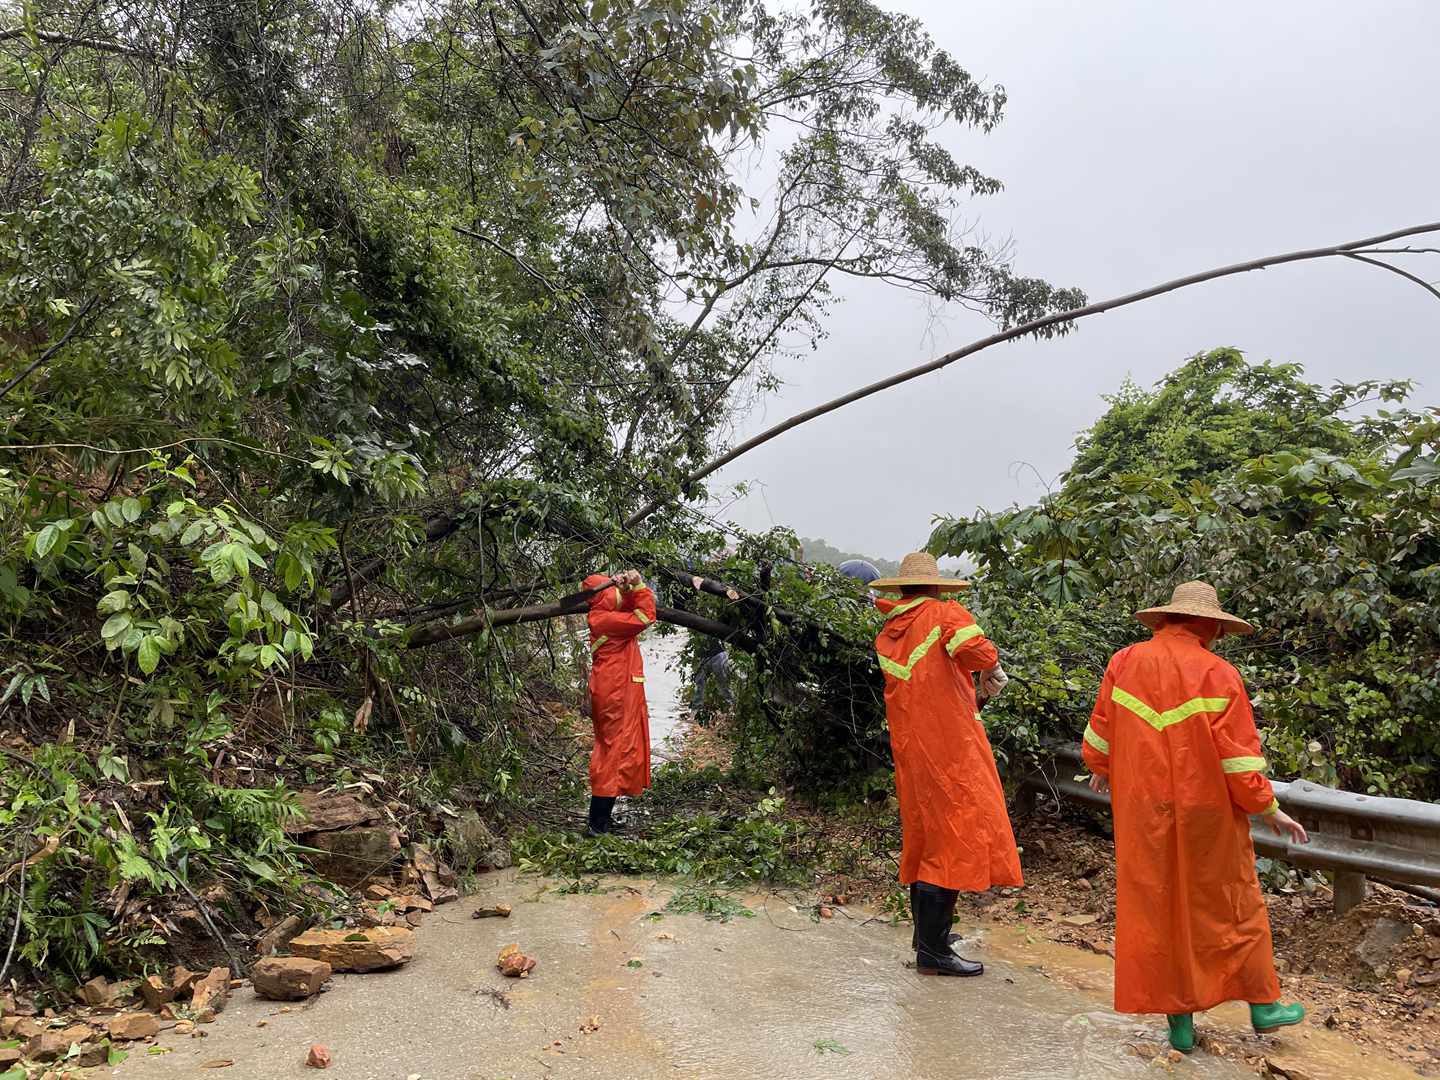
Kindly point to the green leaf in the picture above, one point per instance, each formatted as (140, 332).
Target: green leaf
(148, 655)
(116, 625)
(45, 541)
(115, 512)
(192, 533)
(117, 600)
(130, 508)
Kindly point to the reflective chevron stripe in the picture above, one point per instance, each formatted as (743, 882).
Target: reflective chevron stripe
(1161, 720)
(904, 671)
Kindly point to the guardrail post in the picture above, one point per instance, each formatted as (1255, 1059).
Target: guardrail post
(1349, 890)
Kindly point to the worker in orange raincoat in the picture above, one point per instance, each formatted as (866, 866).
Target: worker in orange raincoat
(955, 830)
(1173, 738)
(621, 609)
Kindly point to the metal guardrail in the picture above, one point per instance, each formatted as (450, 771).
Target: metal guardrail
(1353, 836)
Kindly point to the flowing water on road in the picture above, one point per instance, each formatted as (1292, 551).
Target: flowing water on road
(775, 996)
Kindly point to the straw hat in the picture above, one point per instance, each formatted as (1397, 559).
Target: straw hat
(920, 568)
(1198, 599)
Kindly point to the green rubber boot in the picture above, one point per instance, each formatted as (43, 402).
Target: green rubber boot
(1267, 1018)
(1182, 1031)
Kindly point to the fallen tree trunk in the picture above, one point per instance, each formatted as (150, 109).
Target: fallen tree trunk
(434, 633)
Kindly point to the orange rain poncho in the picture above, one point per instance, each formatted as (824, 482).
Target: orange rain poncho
(956, 832)
(620, 761)
(1173, 731)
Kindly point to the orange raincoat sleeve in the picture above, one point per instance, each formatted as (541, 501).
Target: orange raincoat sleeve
(965, 643)
(1096, 744)
(635, 613)
(1240, 757)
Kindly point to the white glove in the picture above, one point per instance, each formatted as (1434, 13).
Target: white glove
(993, 681)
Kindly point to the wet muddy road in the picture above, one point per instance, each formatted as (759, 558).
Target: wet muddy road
(772, 996)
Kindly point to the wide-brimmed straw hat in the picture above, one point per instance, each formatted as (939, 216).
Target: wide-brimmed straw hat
(920, 568)
(1200, 600)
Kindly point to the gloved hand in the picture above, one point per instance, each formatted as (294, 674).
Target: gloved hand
(993, 681)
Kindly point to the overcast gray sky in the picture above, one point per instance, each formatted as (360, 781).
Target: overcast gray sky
(1143, 140)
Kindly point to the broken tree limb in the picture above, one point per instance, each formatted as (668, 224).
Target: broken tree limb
(1057, 319)
(435, 529)
(434, 633)
(752, 604)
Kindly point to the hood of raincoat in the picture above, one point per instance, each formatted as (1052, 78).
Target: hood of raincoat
(608, 599)
(895, 626)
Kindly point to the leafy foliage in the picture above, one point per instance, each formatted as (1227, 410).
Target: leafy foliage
(1330, 550)
(760, 846)
(323, 321)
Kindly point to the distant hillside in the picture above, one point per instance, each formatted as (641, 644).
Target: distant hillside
(822, 552)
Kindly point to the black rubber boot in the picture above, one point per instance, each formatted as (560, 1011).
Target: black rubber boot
(934, 907)
(951, 940)
(600, 810)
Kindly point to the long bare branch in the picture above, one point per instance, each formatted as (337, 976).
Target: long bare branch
(1048, 321)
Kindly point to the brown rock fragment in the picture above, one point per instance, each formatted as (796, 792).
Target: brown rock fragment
(155, 992)
(50, 1045)
(367, 950)
(319, 1057)
(279, 935)
(183, 980)
(96, 992)
(325, 813)
(212, 991)
(354, 856)
(136, 1025)
(513, 963)
(289, 978)
(19, 1027)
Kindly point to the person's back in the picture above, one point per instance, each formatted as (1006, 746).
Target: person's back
(1173, 738)
(1168, 735)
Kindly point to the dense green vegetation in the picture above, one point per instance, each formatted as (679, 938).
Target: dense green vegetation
(320, 321)
(1313, 511)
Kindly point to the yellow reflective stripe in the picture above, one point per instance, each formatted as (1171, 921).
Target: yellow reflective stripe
(964, 634)
(912, 605)
(643, 617)
(1243, 764)
(903, 671)
(1273, 808)
(598, 642)
(1095, 740)
(637, 678)
(1160, 721)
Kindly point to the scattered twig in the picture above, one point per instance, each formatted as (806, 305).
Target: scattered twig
(15, 929)
(44, 357)
(238, 966)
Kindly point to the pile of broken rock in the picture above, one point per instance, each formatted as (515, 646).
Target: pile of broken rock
(347, 844)
(110, 1014)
